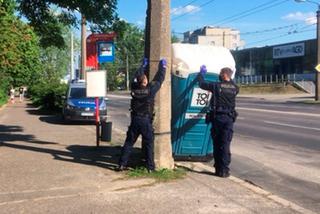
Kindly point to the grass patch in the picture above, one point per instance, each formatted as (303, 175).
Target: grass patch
(269, 89)
(161, 175)
(2, 102)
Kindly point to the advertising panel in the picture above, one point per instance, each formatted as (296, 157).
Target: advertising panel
(286, 51)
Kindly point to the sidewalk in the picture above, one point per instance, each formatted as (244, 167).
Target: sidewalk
(49, 167)
(280, 97)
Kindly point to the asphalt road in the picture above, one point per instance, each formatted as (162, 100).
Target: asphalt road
(276, 145)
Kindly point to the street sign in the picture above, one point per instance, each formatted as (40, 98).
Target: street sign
(100, 48)
(96, 83)
(318, 67)
(105, 52)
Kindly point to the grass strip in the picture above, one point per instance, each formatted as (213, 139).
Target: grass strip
(161, 175)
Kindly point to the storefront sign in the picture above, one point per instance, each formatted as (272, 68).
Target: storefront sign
(287, 51)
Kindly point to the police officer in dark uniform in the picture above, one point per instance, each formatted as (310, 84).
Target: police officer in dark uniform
(142, 104)
(222, 116)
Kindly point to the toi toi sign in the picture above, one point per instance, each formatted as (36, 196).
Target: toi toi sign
(200, 98)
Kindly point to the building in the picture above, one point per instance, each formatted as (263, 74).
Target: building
(290, 58)
(217, 36)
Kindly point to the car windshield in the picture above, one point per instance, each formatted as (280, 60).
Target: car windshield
(77, 93)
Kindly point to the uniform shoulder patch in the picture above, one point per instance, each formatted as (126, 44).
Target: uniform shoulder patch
(228, 86)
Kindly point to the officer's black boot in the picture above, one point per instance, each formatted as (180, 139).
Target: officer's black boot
(225, 174)
(151, 170)
(121, 168)
(218, 172)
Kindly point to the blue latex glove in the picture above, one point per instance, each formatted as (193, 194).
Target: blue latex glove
(203, 70)
(163, 63)
(145, 63)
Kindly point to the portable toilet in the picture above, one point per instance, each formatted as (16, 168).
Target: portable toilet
(191, 136)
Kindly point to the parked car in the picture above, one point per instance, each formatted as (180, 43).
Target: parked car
(78, 107)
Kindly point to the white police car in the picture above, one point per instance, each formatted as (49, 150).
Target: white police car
(78, 107)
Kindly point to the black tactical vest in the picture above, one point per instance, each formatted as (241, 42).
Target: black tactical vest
(142, 103)
(225, 97)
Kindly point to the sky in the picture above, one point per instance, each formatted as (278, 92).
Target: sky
(260, 22)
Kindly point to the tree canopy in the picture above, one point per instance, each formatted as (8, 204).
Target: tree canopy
(19, 47)
(48, 23)
(129, 45)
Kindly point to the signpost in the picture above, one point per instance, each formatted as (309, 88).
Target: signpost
(100, 49)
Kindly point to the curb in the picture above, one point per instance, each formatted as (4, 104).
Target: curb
(288, 204)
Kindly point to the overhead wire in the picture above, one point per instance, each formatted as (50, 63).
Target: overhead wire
(255, 11)
(248, 10)
(186, 13)
(259, 8)
(255, 32)
(277, 37)
(191, 2)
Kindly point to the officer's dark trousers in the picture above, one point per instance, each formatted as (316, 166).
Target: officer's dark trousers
(222, 132)
(143, 126)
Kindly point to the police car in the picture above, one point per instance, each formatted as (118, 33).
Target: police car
(78, 107)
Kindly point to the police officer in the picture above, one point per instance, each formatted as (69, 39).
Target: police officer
(222, 115)
(142, 104)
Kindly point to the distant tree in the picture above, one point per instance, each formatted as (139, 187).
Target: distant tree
(129, 44)
(56, 61)
(48, 24)
(175, 39)
(19, 48)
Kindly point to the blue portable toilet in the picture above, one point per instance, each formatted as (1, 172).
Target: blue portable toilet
(191, 138)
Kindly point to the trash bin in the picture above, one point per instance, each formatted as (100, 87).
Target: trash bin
(191, 136)
(106, 131)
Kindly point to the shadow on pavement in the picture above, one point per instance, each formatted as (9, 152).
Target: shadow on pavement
(10, 129)
(203, 172)
(10, 134)
(58, 120)
(104, 156)
(33, 110)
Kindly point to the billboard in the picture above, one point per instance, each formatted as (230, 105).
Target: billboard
(286, 51)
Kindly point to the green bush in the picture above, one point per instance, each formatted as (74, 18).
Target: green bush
(4, 87)
(3, 98)
(48, 95)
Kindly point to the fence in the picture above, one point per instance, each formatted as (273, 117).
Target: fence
(303, 81)
(274, 78)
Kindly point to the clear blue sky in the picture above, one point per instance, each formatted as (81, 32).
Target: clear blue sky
(190, 15)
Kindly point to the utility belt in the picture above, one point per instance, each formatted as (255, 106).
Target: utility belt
(211, 115)
(142, 115)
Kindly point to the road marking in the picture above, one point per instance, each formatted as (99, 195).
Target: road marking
(271, 105)
(292, 126)
(279, 112)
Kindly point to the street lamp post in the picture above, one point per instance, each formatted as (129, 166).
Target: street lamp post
(127, 70)
(317, 95)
